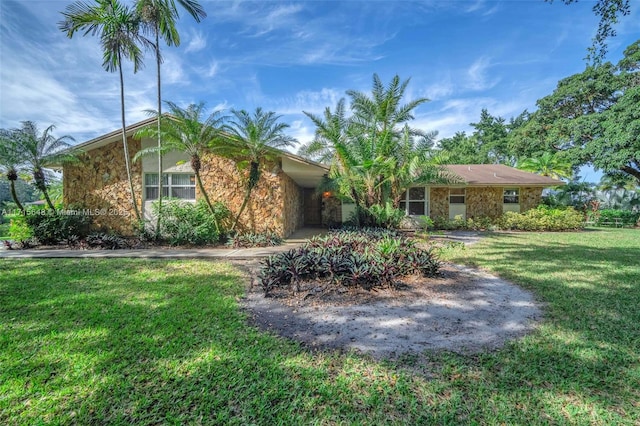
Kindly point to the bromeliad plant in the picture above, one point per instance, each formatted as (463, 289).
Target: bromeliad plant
(368, 258)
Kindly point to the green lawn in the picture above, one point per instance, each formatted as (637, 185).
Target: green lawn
(148, 342)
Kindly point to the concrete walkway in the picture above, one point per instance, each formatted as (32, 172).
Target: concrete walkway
(294, 240)
(200, 253)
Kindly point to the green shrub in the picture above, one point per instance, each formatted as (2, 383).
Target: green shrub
(611, 216)
(19, 230)
(184, 223)
(265, 239)
(543, 218)
(51, 227)
(385, 216)
(478, 224)
(368, 259)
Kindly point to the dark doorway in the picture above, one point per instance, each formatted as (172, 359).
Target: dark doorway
(312, 208)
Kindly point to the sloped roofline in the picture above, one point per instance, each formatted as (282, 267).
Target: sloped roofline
(115, 136)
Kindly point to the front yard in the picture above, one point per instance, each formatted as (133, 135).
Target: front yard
(148, 342)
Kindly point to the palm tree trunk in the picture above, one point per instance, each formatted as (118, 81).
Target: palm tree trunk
(14, 195)
(39, 179)
(47, 199)
(247, 196)
(254, 177)
(125, 145)
(206, 199)
(157, 30)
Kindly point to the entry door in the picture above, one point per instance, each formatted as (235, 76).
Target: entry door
(312, 208)
(457, 203)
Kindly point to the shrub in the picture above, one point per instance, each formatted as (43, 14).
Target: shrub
(19, 230)
(188, 223)
(265, 239)
(543, 218)
(368, 259)
(385, 216)
(50, 227)
(610, 216)
(106, 241)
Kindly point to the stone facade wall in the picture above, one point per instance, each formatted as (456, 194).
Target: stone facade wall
(265, 211)
(484, 202)
(331, 211)
(293, 213)
(439, 203)
(99, 182)
(530, 198)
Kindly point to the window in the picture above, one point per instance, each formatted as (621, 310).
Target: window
(174, 185)
(511, 196)
(457, 195)
(415, 201)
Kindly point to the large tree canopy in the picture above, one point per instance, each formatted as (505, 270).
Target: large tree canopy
(591, 118)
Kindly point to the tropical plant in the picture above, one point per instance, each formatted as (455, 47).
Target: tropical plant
(118, 28)
(39, 150)
(251, 142)
(182, 130)
(374, 154)
(548, 164)
(182, 222)
(10, 162)
(159, 17)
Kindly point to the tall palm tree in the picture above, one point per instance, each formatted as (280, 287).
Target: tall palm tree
(10, 162)
(118, 28)
(548, 164)
(252, 139)
(184, 130)
(40, 150)
(159, 16)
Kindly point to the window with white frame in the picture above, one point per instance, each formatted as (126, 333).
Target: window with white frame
(511, 196)
(415, 201)
(174, 185)
(457, 195)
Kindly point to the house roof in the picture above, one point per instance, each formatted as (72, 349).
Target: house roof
(306, 173)
(499, 175)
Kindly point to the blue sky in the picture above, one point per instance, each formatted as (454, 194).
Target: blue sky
(299, 56)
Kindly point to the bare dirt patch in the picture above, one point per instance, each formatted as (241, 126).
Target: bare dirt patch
(464, 311)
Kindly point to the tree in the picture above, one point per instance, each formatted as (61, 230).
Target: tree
(118, 28)
(10, 162)
(608, 11)
(159, 16)
(592, 117)
(548, 164)
(182, 130)
(40, 150)
(374, 154)
(252, 139)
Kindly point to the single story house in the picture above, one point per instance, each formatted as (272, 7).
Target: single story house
(285, 198)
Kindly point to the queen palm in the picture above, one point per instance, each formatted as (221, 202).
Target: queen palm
(251, 142)
(41, 149)
(548, 164)
(160, 17)
(10, 162)
(118, 28)
(184, 130)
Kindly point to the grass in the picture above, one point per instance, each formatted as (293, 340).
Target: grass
(147, 342)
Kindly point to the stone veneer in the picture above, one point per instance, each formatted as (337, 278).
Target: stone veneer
(482, 201)
(275, 204)
(98, 182)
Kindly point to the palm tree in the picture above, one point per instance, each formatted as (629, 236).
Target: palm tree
(182, 130)
(548, 164)
(160, 17)
(251, 142)
(10, 162)
(119, 30)
(40, 150)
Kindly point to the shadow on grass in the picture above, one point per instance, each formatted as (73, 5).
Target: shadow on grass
(150, 342)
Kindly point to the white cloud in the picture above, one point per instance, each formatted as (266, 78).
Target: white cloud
(197, 42)
(310, 101)
(476, 74)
